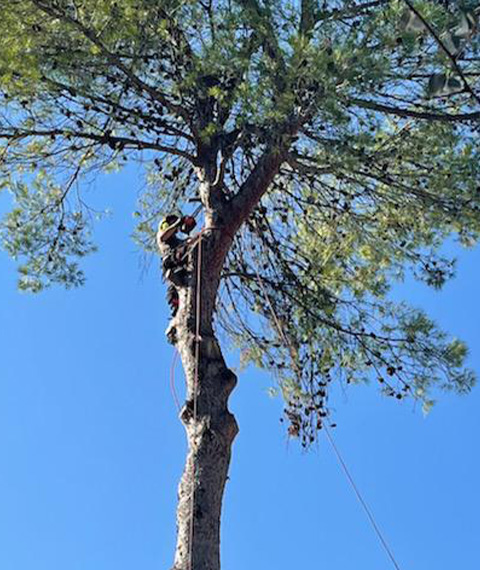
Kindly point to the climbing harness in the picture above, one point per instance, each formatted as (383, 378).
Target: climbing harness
(173, 299)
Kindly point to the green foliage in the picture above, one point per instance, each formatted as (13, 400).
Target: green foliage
(374, 108)
(45, 234)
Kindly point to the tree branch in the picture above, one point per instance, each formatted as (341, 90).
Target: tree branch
(101, 139)
(241, 205)
(307, 17)
(350, 12)
(425, 115)
(169, 129)
(443, 47)
(115, 60)
(269, 40)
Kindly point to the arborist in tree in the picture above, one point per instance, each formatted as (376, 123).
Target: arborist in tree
(174, 258)
(174, 251)
(171, 224)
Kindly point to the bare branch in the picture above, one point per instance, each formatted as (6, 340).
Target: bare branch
(110, 140)
(409, 113)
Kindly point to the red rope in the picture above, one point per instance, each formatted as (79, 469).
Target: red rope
(172, 380)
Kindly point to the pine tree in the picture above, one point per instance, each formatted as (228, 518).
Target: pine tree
(332, 147)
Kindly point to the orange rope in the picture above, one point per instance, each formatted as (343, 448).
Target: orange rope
(172, 380)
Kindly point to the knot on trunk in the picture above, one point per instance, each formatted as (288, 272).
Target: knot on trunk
(186, 413)
(230, 429)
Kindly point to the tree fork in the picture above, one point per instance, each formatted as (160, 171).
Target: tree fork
(210, 426)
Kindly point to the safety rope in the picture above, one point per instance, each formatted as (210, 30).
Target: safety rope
(362, 501)
(195, 387)
(360, 498)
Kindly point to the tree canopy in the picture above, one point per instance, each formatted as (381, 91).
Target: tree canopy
(362, 118)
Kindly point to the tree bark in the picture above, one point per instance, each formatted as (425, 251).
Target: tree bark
(209, 425)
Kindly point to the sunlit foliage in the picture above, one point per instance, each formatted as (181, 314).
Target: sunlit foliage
(376, 106)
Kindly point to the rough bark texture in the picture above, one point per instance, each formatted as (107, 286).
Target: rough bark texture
(209, 425)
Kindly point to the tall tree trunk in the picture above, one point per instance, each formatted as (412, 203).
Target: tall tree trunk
(209, 425)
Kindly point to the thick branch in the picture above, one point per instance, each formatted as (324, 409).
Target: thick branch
(254, 187)
(307, 17)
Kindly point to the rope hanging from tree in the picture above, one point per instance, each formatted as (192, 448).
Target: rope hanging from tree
(195, 384)
(340, 459)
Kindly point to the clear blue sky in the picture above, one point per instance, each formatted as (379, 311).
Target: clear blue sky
(91, 449)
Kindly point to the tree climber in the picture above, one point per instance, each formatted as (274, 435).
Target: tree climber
(172, 224)
(174, 250)
(174, 253)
